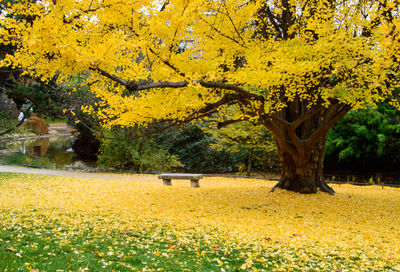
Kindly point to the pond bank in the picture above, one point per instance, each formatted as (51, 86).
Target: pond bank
(13, 139)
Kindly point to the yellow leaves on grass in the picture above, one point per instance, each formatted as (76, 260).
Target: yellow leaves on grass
(357, 219)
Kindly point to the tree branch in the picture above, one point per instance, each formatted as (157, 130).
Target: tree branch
(230, 19)
(110, 76)
(132, 86)
(281, 121)
(161, 84)
(273, 21)
(166, 62)
(299, 144)
(222, 34)
(229, 122)
(148, 134)
(306, 116)
(279, 136)
(232, 87)
(326, 125)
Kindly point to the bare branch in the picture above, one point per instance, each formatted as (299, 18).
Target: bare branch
(232, 87)
(166, 62)
(233, 24)
(207, 110)
(148, 134)
(299, 144)
(281, 121)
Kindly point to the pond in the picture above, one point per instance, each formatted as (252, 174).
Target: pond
(49, 151)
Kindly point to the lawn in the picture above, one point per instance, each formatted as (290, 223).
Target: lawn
(70, 224)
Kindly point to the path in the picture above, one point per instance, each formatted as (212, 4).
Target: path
(64, 173)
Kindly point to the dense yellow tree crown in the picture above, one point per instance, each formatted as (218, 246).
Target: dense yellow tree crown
(223, 52)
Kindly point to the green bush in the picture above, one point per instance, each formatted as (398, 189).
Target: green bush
(367, 139)
(138, 155)
(193, 148)
(17, 158)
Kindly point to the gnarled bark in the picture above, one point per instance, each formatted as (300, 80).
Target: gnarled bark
(300, 134)
(304, 173)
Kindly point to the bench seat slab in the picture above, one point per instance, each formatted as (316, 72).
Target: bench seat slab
(194, 178)
(181, 176)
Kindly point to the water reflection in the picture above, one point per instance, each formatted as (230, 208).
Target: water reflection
(37, 148)
(54, 151)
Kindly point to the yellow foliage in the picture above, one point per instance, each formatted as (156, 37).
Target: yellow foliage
(358, 219)
(343, 51)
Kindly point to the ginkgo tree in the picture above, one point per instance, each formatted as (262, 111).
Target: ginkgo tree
(293, 66)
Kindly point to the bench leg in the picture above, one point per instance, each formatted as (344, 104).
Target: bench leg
(167, 182)
(194, 183)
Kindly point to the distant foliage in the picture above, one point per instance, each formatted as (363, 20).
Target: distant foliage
(139, 155)
(366, 139)
(6, 117)
(193, 147)
(254, 145)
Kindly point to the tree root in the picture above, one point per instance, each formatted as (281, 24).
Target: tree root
(278, 185)
(323, 187)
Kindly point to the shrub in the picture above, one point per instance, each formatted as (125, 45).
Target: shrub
(138, 155)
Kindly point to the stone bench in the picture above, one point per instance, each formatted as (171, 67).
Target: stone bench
(194, 178)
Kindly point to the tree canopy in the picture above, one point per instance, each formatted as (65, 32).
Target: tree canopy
(294, 66)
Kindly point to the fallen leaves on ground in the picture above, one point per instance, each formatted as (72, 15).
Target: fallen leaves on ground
(358, 229)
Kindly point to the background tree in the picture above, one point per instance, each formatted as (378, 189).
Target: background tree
(294, 66)
(367, 140)
(24, 92)
(255, 142)
(192, 146)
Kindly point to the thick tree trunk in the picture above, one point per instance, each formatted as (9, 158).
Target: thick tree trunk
(304, 173)
(300, 132)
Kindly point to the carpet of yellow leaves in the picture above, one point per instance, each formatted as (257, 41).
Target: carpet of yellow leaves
(362, 221)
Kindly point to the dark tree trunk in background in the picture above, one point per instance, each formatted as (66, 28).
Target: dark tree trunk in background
(1, 98)
(249, 162)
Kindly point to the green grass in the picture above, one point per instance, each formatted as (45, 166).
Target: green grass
(44, 244)
(51, 121)
(24, 159)
(17, 158)
(51, 248)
